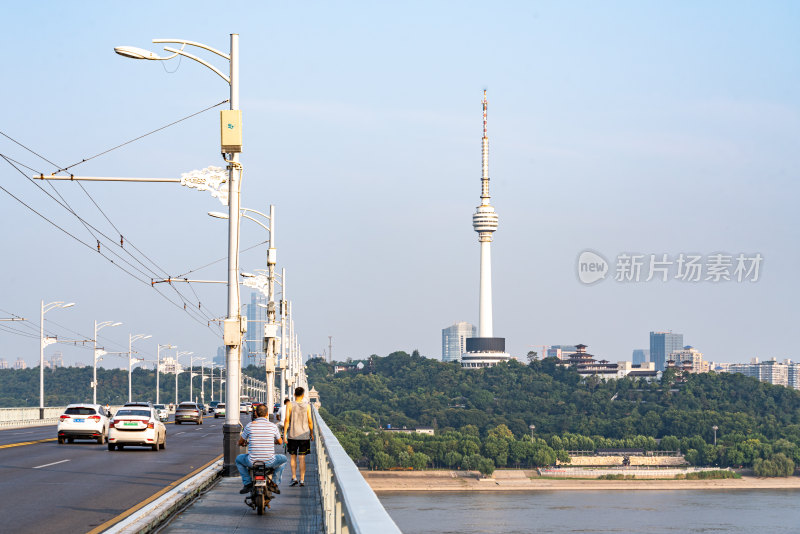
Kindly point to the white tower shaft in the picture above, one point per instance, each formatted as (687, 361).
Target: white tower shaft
(485, 304)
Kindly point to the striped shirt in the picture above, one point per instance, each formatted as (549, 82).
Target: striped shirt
(260, 435)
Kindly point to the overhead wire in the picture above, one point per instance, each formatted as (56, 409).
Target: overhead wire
(87, 245)
(84, 160)
(64, 204)
(163, 274)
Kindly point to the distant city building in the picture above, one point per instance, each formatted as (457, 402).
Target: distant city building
(640, 356)
(219, 359)
(561, 352)
(662, 344)
(56, 360)
(3, 363)
(454, 340)
(786, 373)
(688, 359)
(20, 364)
(256, 318)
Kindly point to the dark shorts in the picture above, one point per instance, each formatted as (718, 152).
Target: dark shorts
(298, 446)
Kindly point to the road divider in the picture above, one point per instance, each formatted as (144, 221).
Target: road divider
(9, 445)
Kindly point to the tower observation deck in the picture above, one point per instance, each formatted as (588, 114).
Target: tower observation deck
(485, 350)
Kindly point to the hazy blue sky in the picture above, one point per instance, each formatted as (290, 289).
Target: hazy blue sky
(620, 127)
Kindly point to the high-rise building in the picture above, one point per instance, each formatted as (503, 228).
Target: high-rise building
(56, 360)
(662, 344)
(640, 356)
(485, 350)
(3, 363)
(454, 340)
(256, 319)
(20, 364)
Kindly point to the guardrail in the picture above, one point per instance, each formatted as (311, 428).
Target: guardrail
(349, 504)
(24, 417)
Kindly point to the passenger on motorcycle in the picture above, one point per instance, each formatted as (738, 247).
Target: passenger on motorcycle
(262, 436)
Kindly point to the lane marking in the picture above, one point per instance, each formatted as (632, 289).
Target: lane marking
(150, 499)
(48, 465)
(8, 446)
(179, 433)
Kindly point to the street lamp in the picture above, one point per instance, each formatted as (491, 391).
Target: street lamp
(202, 381)
(232, 326)
(270, 329)
(158, 370)
(131, 339)
(98, 326)
(178, 354)
(43, 342)
(532, 427)
(191, 374)
(715, 428)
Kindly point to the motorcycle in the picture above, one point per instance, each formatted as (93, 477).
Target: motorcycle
(263, 487)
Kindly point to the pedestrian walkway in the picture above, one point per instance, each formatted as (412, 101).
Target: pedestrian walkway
(222, 509)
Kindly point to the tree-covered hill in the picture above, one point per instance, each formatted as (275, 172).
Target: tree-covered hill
(409, 390)
(758, 423)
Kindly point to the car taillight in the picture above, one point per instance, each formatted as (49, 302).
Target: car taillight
(259, 477)
(151, 425)
(95, 418)
(114, 422)
(64, 418)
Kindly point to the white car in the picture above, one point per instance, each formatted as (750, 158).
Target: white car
(161, 412)
(244, 407)
(137, 425)
(83, 421)
(219, 410)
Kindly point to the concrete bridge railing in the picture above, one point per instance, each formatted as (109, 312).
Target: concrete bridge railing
(349, 504)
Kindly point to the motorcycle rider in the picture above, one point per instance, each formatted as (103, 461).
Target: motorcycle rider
(262, 436)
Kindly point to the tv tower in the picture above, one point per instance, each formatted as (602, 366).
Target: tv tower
(484, 221)
(485, 350)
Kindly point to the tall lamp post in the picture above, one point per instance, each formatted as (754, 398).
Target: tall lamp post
(202, 381)
(270, 328)
(191, 374)
(715, 428)
(232, 336)
(97, 327)
(43, 342)
(532, 427)
(131, 339)
(158, 372)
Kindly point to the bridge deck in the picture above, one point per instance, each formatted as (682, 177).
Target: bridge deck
(222, 509)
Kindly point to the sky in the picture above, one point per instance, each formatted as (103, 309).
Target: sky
(622, 128)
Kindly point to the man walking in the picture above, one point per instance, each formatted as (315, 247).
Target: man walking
(262, 436)
(298, 429)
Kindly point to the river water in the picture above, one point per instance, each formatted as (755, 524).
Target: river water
(597, 512)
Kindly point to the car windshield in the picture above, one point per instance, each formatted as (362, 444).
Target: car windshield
(160, 407)
(80, 410)
(220, 405)
(187, 407)
(137, 413)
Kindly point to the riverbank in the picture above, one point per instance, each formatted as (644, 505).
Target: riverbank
(520, 480)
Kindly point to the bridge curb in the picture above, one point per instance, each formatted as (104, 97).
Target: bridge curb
(151, 516)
